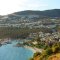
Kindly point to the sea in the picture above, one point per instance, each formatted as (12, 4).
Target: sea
(10, 52)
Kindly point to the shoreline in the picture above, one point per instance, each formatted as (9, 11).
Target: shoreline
(34, 49)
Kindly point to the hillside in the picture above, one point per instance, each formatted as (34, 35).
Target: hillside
(29, 15)
(55, 57)
(46, 13)
(35, 15)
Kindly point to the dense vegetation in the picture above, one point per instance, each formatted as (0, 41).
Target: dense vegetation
(50, 50)
(15, 32)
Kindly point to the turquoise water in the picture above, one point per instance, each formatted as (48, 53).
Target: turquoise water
(8, 52)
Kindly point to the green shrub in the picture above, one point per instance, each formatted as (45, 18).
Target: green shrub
(48, 51)
(36, 54)
(55, 49)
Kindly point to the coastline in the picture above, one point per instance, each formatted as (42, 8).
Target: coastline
(34, 49)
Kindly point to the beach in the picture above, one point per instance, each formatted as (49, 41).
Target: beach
(34, 49)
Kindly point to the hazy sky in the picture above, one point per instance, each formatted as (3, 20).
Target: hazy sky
(10, 6)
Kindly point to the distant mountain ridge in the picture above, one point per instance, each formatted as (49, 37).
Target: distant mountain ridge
(29, 15)
(47, 13)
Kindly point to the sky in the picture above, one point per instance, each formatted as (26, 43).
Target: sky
(11, 6)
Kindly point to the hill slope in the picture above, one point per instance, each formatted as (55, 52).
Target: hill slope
(29, 15)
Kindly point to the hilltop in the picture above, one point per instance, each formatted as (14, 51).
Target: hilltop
(29, 15)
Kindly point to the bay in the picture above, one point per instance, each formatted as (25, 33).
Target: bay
(9, 52)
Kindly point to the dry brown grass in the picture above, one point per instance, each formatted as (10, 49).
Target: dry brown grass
(55, 57)
(37, 58)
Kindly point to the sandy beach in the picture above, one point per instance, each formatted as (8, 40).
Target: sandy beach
(34, 49)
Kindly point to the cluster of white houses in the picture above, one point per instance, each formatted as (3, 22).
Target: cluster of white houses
(46, 36)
